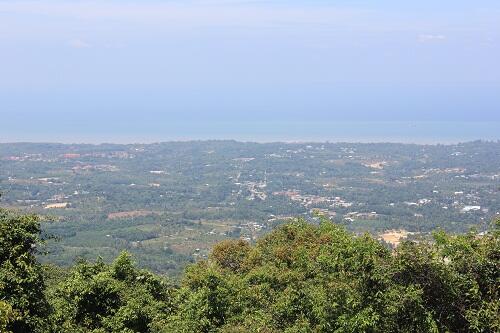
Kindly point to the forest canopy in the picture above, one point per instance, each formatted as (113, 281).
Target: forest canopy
(298, 278)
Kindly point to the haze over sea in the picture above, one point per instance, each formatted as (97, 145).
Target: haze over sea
(275, 70)
(142, 131)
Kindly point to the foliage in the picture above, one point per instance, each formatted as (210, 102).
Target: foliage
(6, 316)
(21, 275)
(298, 278)
(109, 298)
(302, 278)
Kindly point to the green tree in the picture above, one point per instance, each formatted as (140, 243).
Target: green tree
(458, 276)
(97, 297)
(22, 282)
(7, 315)
(306, 278)
(299, 278)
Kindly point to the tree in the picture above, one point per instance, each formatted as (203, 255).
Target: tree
(298, 278)
(306, 278)
(97, 297)
(22, 283)
(6, 316)
(458, 276)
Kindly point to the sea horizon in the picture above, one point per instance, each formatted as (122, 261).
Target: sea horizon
(408, 132)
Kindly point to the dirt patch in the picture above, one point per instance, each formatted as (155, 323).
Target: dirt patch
(379, 165)
(129, 214)
(57, 205)
(394, 237)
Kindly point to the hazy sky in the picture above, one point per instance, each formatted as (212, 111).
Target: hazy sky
(250, 60)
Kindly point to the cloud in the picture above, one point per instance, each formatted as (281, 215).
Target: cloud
(425, 38)
(78, 44)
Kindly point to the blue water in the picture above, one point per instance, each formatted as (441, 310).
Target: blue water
(95, 131)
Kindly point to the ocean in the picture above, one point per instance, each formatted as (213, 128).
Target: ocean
(428, 132)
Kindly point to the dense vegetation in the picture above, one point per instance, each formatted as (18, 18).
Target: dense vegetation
(298, 278)
(169, 203)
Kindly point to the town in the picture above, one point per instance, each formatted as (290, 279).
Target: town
(176, 199)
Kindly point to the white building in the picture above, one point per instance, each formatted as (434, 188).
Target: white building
(470, 208)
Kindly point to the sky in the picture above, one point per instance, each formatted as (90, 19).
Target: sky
(93, 66)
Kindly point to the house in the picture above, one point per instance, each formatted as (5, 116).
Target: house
(470, 208)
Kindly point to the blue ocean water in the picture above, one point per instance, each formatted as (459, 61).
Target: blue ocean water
(428, 132)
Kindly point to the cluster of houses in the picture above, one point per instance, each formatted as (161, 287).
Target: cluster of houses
(256, 189)
(306, 200)
(352, 216)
